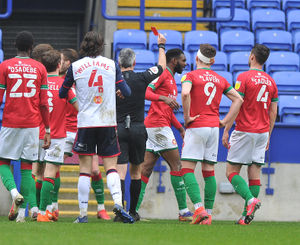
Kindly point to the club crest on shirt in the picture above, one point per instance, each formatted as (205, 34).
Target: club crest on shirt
(154, 69)
(98, 100)
(174, 142)
(237, 85)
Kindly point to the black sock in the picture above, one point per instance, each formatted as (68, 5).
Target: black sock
(135, 189)
(123, 191)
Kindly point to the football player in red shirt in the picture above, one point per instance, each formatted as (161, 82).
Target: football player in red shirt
(25, 83)
(254, 125)
(202, 91)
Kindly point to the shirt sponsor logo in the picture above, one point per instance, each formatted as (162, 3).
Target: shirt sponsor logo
(237, 85)
(98, 99)
(174, 142)
(183, 78)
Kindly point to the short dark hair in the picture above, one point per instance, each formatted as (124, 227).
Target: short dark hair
(91, 45)
(261, 53)
(24, 41)
(173, 53)
(70, 54)
(207, 50)
(51, 59)
(39, 50)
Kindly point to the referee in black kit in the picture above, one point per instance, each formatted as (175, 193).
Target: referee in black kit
(130, 118)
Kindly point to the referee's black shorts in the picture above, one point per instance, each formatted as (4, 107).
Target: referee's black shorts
(132, 143)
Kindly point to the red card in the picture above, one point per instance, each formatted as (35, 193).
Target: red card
(155, 32)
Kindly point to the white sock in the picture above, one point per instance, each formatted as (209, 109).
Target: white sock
(183, 211)
(84, 184)
(49, 208)
(34, 210)
(55, 205)
(100, 207)
(198, 205)
(114, 186)
(14, 193)
(21, 212)
(209, 211)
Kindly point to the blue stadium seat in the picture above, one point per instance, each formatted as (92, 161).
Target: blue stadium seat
(220, 62)
(1, 55)
(236, 40)
(235, 76)
(174, 40)
(289, 109)
(129, 38)
(226, 4)
(0, 39)
(288, 81)
(282, 61)
(227, 75)
(193, 39)
(144, 59)
(147, 105)
(188, 61)
(224, 106)
(297, 42)
(251, 4)
(268, 18)
(290, 4)
(276, 39)
(241, 19)
(238, 61)
(293, 20)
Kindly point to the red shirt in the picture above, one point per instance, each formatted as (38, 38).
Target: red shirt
(57, 108)
(25, 81)
(71, 117)
(259, 90)
(160, 114)
(206, 94)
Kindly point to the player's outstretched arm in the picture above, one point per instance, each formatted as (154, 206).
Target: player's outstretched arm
(272, 114)
(237, 102)
(161, 41)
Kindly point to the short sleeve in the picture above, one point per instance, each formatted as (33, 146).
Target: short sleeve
(227, 86)
(275, 93)
(44, 81)
(240, 84)
(156, 83)
(71, 96)
(2, 77)
(187, 78)
(152, 73)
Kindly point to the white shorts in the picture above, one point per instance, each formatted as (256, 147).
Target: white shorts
(54, 154)
(19, 143)
(247, 148)
(160, 139)
(201, 144)
(69, 143)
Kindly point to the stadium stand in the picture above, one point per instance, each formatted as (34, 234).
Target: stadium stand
(241, 19)
(224, 106)
(289, 109)
(129, 38)
(220, 62)
(293, 20)
(297, 42)
(144, 59)
(236, 40)
(193, 39)
(226, 4)
(188, 61)
(276, 39)
(282, 61)
(238, 61)
(288, 5)
(252, 4)
(227, 75)
(174, 40)
(1, 55)
(287, 81)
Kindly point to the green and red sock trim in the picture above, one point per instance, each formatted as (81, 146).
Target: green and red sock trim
(176, 173)
(96, 177)
(50, 180)
(254, 182)
(207, 173)
(186, 171)
(3, 162)
(26, 166)
(57, 174)
(145, 179)
(84, 174)
(38, 184)
(232, 175)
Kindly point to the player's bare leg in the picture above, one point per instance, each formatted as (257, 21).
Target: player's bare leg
(193, 190)
(146, 171)
(98, 187)
(210, 189)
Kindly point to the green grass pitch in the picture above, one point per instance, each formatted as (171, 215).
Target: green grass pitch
(156, 232)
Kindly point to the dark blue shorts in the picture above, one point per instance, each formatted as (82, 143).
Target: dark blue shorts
(102, 141)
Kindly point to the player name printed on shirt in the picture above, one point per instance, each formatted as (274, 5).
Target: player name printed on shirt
(208, 77)
(21, 67)
(92, 63)
(261, 79)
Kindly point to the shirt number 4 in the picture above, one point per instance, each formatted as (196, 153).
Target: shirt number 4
(98, 83)
(263, 96)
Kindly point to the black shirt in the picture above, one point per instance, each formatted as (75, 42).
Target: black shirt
(134, 105)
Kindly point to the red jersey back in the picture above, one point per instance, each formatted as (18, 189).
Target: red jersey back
(71, 117)
(24, 80)
(57, 108)
(160, 114)
(259, 90)
(206, 95)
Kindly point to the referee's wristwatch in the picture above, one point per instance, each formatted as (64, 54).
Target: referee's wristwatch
(47, 130)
